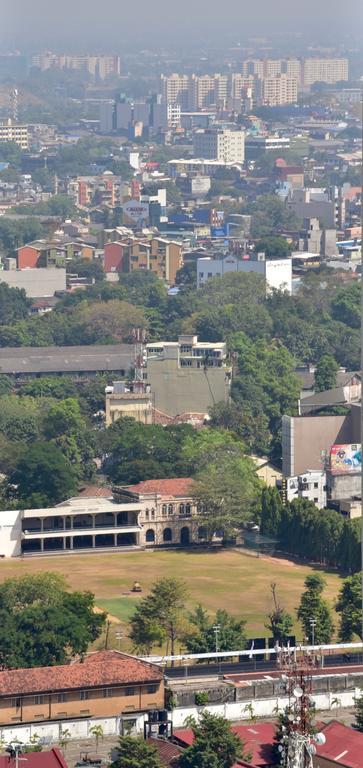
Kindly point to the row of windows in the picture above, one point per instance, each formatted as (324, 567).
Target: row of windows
(170, 509)
(84, 695)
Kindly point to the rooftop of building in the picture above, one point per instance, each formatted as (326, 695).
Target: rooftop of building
(174, 487)
(51, 758)
(99, 669)
(32, 360)
(343, 746)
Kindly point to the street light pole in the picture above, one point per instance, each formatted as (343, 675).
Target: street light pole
(312, 623)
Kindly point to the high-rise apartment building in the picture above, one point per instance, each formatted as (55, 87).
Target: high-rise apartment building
(99, 67)
(175, 89)
(324, 71)
(277, 91)
(221, 144)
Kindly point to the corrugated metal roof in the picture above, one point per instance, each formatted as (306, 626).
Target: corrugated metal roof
(33, 360)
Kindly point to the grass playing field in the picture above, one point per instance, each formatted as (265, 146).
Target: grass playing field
(228, 579)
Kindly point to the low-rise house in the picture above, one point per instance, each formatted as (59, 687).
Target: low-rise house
(105, 684)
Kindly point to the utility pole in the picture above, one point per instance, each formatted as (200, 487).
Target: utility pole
(216, 630)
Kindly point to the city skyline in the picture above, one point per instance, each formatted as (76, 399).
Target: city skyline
(42, 25)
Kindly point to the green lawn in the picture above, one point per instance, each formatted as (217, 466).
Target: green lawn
(238, 582)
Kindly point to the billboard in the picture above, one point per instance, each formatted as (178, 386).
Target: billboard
(346, 458)
(135, 213)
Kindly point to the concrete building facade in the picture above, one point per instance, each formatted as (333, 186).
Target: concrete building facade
(187, 376)
(277, 273)
(10, 131)
(220, 144)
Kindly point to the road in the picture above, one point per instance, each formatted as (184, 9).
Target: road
(337, 664)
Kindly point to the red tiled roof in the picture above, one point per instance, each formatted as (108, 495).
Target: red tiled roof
(168, 752)
(51, 758)
(257, 737)
(171, 487)
(343, 746)
(103, 668)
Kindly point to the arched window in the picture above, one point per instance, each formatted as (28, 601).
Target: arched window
(182, 509)
(164, 509)
(170, 509)
(167, 535)
(188, 510)
(153, 513)
(150, 536)
(146, 514)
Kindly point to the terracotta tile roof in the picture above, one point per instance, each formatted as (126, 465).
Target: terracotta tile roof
(96, 491)
(168, 752)
(104, 668)
(51, 758)
(171, 487)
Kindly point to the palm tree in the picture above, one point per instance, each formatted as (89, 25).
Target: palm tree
(64, 738)
(97, 732)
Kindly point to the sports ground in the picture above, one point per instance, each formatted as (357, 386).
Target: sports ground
(236, 581)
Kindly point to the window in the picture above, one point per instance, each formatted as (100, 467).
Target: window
(170, 509)
(38, 699)
(83, 695)
(153, 513)
(152, 688)
(316, 500)
(61, 697)
(163, 509)
(146, 514)
(16, 703)
(316, 485)
(107, 692)
(181, 509)
(129, 691)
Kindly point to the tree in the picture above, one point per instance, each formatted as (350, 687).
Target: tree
(349, 606)
(358, 712)
(314, 607)
(65, 425)
(202, 639)
(106, 322)
(271, 508)
(274, 247)
(86, 268)
(280, 622)
(326, 373)
(214, 744)
(133, 752)
(42, 477)
(160, 615)
(97, 732)
(226, 490)
(14, 304)
(44, 624)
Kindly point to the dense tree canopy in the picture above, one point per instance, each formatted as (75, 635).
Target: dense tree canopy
(44, 624)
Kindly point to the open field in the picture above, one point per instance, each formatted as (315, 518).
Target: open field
(238, 582)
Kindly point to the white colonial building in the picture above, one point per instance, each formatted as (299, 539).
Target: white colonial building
(151, 513)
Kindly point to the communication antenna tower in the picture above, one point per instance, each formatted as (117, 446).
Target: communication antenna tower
(139, 337)
(14, 97)
(297, 742)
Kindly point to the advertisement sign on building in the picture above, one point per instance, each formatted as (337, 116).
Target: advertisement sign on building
(135, 213)
(346, 458)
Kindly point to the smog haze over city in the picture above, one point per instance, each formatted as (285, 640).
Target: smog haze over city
(89, 23)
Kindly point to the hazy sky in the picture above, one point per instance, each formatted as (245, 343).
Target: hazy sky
(107, 24)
